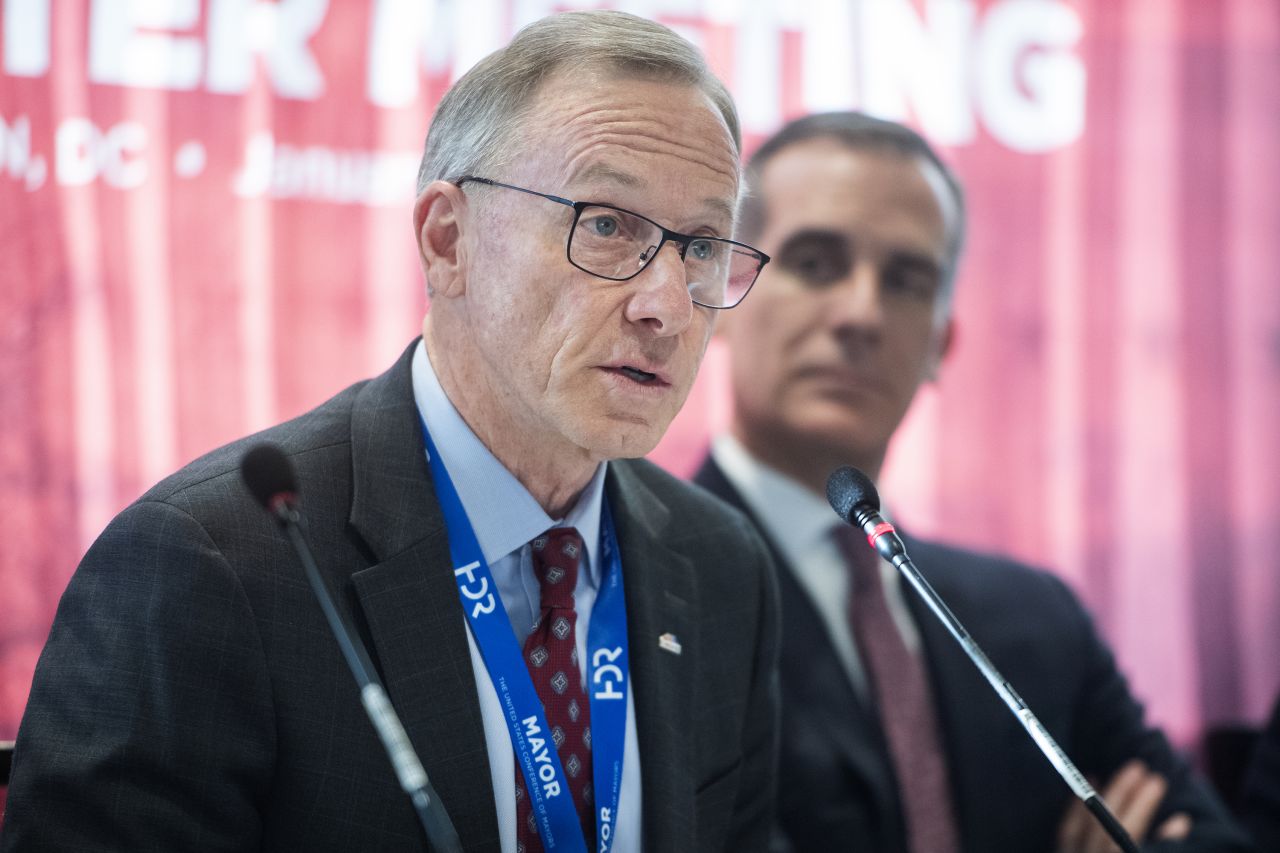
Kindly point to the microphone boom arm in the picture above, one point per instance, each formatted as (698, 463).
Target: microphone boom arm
(884, 538)
(270, 477)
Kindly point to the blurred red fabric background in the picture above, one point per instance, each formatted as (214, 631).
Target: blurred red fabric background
(205, 229)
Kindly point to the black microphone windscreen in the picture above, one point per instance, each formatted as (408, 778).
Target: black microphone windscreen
(849, 488)
(268, 473)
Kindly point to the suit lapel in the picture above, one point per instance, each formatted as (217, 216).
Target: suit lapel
(410, 603)
(813, 676)
(815, 679)
(660, 599)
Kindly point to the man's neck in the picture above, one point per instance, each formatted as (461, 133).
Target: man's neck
(810, 465)
(552, 471)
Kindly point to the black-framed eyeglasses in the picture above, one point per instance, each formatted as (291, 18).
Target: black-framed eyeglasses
(617, 244)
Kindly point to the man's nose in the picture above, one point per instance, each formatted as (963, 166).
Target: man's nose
(661, 300)
(857, 301)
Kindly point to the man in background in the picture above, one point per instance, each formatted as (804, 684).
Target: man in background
(623, 695)
(892, 739)
(1260, 795)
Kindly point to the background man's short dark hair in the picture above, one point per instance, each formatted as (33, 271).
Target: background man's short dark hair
(860, 132)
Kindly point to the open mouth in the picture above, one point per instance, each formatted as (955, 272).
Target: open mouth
(640, 376)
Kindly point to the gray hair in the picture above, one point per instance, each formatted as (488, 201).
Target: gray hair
(859, 132)
(478, 120)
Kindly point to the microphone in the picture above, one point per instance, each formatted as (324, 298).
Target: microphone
(854, 498)
(270, 477)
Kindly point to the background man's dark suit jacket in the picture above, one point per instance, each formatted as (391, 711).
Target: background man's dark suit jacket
(1260, 799)
(191, 697)
(836, 787)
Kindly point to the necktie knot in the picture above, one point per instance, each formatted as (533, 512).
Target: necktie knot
(863, 560)
(557, 554)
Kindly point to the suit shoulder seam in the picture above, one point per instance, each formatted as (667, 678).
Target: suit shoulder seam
(178, 490)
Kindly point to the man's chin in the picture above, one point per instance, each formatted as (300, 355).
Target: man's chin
(622, 437)
(848, 438)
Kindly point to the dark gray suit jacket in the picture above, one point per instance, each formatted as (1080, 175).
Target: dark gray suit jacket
(191, 696)
(836, 786)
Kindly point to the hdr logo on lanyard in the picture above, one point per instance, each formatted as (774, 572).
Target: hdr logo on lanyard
(606, 676)
(477, 591)
(607, 682)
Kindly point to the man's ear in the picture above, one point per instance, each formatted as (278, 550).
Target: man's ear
(438, 215)
(945, 341)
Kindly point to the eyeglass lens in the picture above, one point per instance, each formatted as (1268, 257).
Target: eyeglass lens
(616, 244)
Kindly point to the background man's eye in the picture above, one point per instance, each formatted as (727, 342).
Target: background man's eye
(916, 284)
(816, 259)
(815, 267)
(809, 266)
(701, 249)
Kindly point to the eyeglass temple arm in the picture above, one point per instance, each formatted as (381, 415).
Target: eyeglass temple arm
(457, 182)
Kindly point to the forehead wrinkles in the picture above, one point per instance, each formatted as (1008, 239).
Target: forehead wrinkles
(591, 130)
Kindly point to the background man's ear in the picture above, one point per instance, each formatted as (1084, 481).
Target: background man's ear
(945, 343)
(438, 217)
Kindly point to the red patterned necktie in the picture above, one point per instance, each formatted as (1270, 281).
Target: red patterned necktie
(900, 687)
(551, 653)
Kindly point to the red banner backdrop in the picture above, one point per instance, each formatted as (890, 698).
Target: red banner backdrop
(205, 228)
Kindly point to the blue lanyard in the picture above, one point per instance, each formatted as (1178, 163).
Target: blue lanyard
(607, 682)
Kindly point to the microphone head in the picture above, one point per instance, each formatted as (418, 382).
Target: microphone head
(269, 475)
(847, 489)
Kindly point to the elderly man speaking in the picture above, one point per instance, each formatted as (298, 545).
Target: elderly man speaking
(574, 216)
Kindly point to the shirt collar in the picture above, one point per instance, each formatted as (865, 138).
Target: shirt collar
(797, 519)
(501, 511)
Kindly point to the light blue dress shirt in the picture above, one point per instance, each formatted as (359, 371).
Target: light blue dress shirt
(800, 522)
(505, 518)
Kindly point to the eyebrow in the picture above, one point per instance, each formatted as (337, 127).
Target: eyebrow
(908, 256)
(816, 234)
(605, 172)
(919, 261)
(807, 236)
